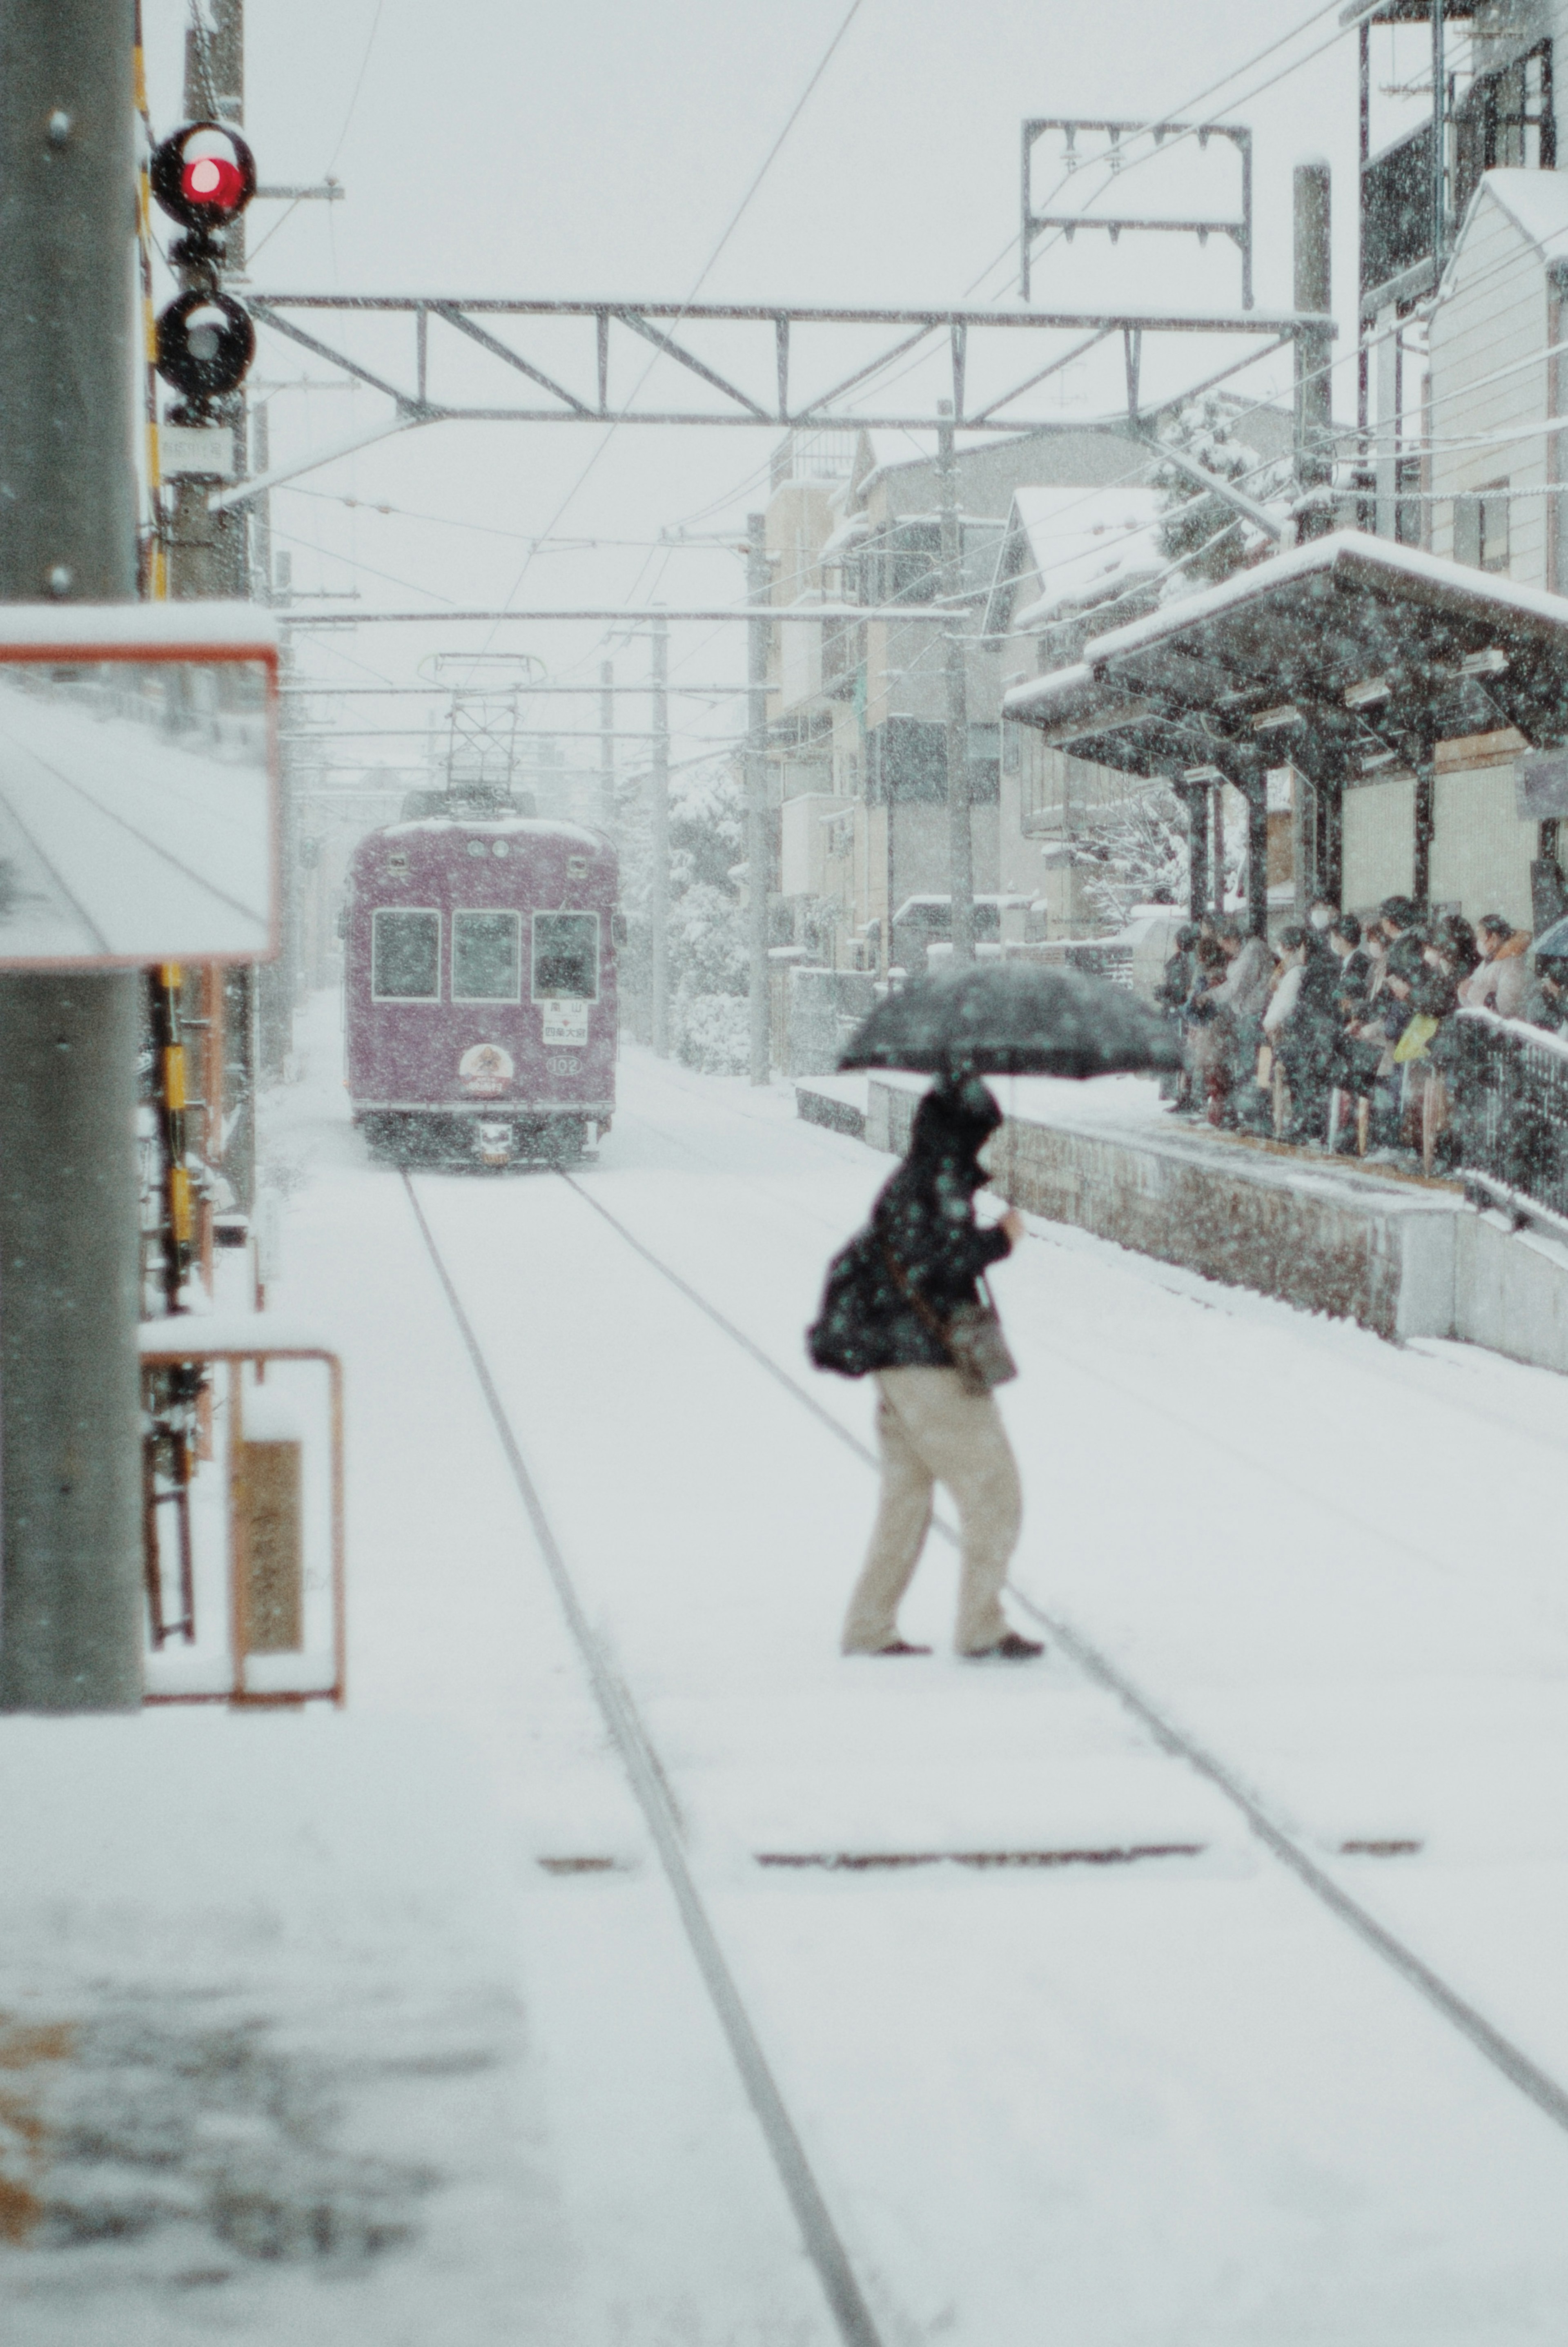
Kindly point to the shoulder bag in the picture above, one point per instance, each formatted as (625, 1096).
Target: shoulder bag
(972, 1335)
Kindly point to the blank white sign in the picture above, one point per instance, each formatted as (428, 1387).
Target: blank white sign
(136, 812)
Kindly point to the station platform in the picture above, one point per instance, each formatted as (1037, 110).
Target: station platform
(1402, 1257)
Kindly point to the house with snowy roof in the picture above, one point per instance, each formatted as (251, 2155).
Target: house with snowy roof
(1493, 499)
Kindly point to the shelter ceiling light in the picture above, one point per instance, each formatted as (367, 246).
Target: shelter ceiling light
(1269, 720)
(1368, 693)
(1202, 774)
(1491, 662)
(1376, 758)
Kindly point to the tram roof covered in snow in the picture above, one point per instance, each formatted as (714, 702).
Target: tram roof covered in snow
(1342, 657)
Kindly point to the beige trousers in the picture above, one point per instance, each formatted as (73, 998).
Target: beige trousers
(930, 1431)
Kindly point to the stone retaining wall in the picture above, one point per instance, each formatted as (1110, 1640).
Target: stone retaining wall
(1404, 1259)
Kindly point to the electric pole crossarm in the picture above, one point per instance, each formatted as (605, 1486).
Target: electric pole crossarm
(1224, 490)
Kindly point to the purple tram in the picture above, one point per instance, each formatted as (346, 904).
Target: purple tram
(480, 983)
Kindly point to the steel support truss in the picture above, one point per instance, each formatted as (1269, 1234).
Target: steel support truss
(783, 368)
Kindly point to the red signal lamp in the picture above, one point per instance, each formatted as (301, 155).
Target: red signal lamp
(203, 176)
(215, 181)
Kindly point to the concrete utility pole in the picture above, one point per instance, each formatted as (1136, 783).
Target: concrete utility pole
(759, 845)
(960, 850)
(1313, 383)
(70, 1431)
(659, 840)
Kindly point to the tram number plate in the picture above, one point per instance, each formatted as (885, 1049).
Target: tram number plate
(565, 1022)
(563, 1066)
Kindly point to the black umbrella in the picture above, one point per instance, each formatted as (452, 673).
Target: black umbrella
(1014, 1019)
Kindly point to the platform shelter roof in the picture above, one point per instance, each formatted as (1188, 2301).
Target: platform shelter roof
(1340, 658)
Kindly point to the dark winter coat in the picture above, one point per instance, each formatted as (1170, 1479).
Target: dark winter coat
(925, 1216)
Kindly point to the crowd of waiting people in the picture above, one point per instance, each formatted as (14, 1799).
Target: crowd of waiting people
(1343, 1036)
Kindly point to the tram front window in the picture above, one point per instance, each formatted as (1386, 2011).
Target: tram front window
(486, 956)
(406, 956)
(565, 957)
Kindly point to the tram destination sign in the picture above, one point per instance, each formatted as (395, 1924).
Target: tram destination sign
(139, 805)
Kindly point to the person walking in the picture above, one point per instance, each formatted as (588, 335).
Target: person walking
(894, 1301)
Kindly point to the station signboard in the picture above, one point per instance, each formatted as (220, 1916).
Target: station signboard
(138, 800)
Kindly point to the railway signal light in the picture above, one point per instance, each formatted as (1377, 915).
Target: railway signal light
(205, 344)
(203, 176)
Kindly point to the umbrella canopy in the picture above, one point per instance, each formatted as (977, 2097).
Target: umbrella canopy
(1555, 941)
(1014, 1019)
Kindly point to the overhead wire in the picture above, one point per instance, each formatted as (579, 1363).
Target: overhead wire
(735, 220)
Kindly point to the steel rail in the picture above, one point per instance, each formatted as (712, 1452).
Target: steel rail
(819, 2232)
(1507, 2059)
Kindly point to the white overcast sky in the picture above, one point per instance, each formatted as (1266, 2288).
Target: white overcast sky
(498, 147)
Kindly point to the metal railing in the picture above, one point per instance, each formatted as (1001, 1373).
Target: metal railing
(1508, 1087)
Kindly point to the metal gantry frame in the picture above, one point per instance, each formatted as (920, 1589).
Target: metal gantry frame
(771, 395)
(1032, 224)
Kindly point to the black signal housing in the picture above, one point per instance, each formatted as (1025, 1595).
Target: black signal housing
(206, 341)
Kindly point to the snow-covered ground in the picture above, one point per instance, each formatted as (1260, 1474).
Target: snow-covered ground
(1168, 2104)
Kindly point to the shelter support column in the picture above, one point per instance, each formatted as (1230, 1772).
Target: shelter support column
(1422, 860)
(1257, 858)
(1196, 797)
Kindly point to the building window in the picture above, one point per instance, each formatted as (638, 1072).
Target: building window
(405, 956)
(1505, 121)
(486, 956)
(1481, 527)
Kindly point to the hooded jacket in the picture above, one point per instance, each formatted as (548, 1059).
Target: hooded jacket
(1499, 983)
(924, 1218)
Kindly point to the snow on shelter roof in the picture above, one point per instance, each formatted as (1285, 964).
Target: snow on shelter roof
(1255, 673)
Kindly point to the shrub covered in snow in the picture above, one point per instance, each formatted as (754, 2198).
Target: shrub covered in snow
(712, 1032)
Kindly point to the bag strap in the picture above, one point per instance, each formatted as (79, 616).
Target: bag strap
(932, 1320)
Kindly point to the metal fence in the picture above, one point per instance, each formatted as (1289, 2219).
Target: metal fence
(1508, 1085)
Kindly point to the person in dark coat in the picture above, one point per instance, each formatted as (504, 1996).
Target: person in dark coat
(889, 1294)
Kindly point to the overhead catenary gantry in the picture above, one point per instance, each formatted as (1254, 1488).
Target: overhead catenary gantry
(784, 367)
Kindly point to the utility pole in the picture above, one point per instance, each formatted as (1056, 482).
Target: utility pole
(1313, 291)
(208, 557)
(759, 845)
(70, 1430)
(607, 746)
(659, 840)
(960, 849)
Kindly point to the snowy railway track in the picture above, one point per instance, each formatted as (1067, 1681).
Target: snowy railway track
(1511, 2060)
(819, 2232)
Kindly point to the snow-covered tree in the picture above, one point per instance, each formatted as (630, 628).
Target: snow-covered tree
(1133, 851)
(709, 1015)
(1136, 850)
(1208, 537)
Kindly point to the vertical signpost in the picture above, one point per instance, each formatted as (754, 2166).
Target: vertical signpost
(70, 1466)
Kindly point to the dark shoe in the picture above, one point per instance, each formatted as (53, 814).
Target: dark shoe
(901, 1646)
(1010, 1649)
